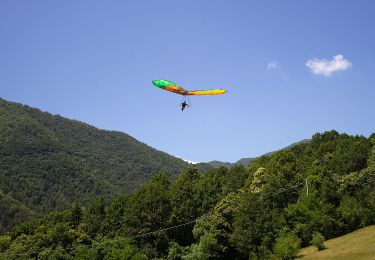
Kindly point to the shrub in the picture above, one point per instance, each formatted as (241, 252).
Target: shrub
(318, 241)
(287, 246)
(5, 242)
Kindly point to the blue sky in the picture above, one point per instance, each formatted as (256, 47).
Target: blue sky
(94, 61)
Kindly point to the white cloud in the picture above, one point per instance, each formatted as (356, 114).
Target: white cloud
(272, 65)
(191, 162)
(327, 67)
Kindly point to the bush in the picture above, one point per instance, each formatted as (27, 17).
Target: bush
(287, 246)
(318, 241)
(5, 242)
(176, 251)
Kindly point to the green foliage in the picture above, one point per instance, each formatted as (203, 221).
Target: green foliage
(287, 246)
(311, 214)
(186, 204)
(176, 252)
(225, 213)
(207, 248)
(5, 242)
(49, 163)
(149, 209)
(53, 238)
(12, 211)
(255, 222)
(352, 213)
(76, 215)
(318, 241)
(116, 248)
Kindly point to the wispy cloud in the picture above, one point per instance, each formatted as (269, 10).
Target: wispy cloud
(191, 162)
(272, 65)
(327, 67)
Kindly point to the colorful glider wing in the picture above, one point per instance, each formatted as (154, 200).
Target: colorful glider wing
(172, 87)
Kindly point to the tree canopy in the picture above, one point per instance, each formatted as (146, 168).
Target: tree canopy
(258, 211)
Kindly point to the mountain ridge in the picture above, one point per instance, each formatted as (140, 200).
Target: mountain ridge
(49, 162)
(248, 160)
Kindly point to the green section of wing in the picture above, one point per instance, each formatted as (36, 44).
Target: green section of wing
(162, 83)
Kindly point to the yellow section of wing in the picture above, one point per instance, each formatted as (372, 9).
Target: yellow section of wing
(206, 92)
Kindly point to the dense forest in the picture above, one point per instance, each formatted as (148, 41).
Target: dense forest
(246, 161)
(267, 209)
(48, 162)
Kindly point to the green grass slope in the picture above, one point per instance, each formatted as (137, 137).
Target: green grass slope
(48, 162)
(359, 244)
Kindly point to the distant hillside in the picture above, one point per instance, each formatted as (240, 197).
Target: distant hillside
(49, 162)
(246, 161)
(356, 245)
(217, 164)
(12, 211)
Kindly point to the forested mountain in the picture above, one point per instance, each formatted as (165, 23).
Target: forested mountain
(246, 161)
(48, 162)
(218, 164)
(261, 211)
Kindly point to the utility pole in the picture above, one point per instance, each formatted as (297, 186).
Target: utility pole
(307, 187)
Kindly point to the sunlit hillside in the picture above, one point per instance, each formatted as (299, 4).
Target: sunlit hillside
(357, 245)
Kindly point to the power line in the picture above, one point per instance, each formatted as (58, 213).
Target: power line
(168, 228)
(283, 190)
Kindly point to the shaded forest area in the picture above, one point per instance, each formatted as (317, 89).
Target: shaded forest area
(48, 162)
(259, 211)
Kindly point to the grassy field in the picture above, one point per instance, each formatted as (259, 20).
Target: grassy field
(359, 244)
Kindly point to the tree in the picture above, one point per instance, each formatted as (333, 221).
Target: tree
(217, 228)
(287, 245)
(5, 242)
(146, 210)
(94, 217)
(186, 205)
(309, 215)
(207, 248)
(255, 223)
(352, 213)
(77, 214)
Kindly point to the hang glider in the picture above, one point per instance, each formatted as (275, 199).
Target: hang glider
(172, 87)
